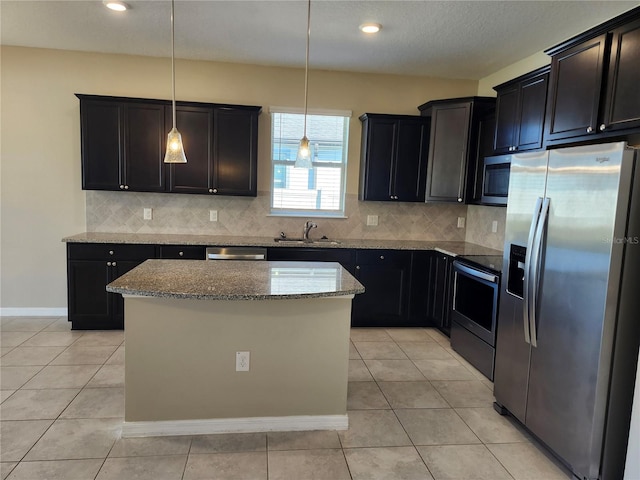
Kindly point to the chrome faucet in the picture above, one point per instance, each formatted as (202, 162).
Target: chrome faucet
(308, 226)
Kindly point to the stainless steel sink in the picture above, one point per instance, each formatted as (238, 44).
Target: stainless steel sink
(302, 241)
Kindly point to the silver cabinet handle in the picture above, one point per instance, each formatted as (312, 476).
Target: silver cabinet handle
(381, 257)
(113, 264)
(108, 264)
(215, 190)
(121, 187)
(181, 254)
(110, 252)
(357, 267)
(459, 199)
(211, 190)
(126, 187)
(589, 129)
(603, 127)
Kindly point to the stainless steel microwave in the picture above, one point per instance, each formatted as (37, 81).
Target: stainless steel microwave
(495, 180)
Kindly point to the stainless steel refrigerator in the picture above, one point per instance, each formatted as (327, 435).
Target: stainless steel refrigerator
(569, 318)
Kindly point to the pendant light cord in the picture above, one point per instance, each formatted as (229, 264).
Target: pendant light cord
(173, 67)
(306, 66)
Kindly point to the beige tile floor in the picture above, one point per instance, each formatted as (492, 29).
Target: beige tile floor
(416, 411)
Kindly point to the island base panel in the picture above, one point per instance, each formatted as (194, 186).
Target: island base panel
(180, 360)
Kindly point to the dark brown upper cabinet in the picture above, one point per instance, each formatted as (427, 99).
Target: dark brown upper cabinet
(235, 151)
(393, 157)
(122, 146)
(454, 146)
(220, 144)
(593, 82)
(123, 142)
(196, 127)
(520, 112)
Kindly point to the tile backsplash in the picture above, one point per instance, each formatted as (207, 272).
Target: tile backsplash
(479, 223)
(122, 212)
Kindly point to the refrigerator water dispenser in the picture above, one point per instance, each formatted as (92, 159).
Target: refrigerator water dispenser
(515, 280)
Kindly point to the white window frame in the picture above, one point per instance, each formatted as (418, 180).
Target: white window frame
(339, 213)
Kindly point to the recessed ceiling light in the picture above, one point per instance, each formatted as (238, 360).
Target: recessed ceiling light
(116, 5)
(370, 27)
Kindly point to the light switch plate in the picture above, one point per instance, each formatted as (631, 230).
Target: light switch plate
(213, 215)
(494, 226)
(147, 213)
(372, 220)
(460, 222)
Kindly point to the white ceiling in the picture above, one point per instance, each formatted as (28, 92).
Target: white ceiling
(456, 39)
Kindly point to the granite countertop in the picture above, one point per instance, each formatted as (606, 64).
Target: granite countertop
(450, 248)
(236, 280)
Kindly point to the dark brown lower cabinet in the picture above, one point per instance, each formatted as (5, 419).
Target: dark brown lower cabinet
(385, 275)
(402, 288)
(439, 293)
(90, 267)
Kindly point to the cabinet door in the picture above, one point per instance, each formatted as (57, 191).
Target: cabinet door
(419, 297)
(144, 154)
(101, 134)
(506, 120)
(378, 147)
(118, 269)
(446, 168)
(410, 165)
(385, 276)
(196, 127)
(440, 291)
(90, 306)
(575, 83)
(486, 135)
(235, 152)
(532, 106)
(622, 99)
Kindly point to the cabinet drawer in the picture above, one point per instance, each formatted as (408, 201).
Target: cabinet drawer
(115, 251)
(382, 256)
(186, 252)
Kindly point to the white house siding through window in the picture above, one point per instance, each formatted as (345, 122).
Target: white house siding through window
(319, 190)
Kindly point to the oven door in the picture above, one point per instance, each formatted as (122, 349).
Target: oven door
(475, 301)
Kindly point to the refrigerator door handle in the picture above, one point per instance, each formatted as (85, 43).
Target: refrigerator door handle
(535, 270)
(527, 270)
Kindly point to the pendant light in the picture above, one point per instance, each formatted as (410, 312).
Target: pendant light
(303, 158)
(175, 150)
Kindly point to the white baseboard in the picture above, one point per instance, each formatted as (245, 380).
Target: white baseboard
(235, 425)
(33, 312)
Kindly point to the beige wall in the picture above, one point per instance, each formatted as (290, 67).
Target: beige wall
(526, 65)
(40, 183)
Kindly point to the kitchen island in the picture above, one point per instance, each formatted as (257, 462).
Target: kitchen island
(186, 321)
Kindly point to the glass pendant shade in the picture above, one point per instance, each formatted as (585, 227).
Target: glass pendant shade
(303, 158)
(175, 150)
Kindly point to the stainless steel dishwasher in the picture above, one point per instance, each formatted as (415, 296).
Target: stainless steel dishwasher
(235, 253)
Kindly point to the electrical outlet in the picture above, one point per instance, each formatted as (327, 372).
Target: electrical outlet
(242, 361)
(213, 215)
(460, 222)
(148, 213)
(372, 220)
(494, 226)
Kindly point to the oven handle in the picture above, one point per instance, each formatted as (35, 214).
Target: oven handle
(526, 294)
(472, 272)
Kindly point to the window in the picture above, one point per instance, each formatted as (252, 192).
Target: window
(318, 191)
